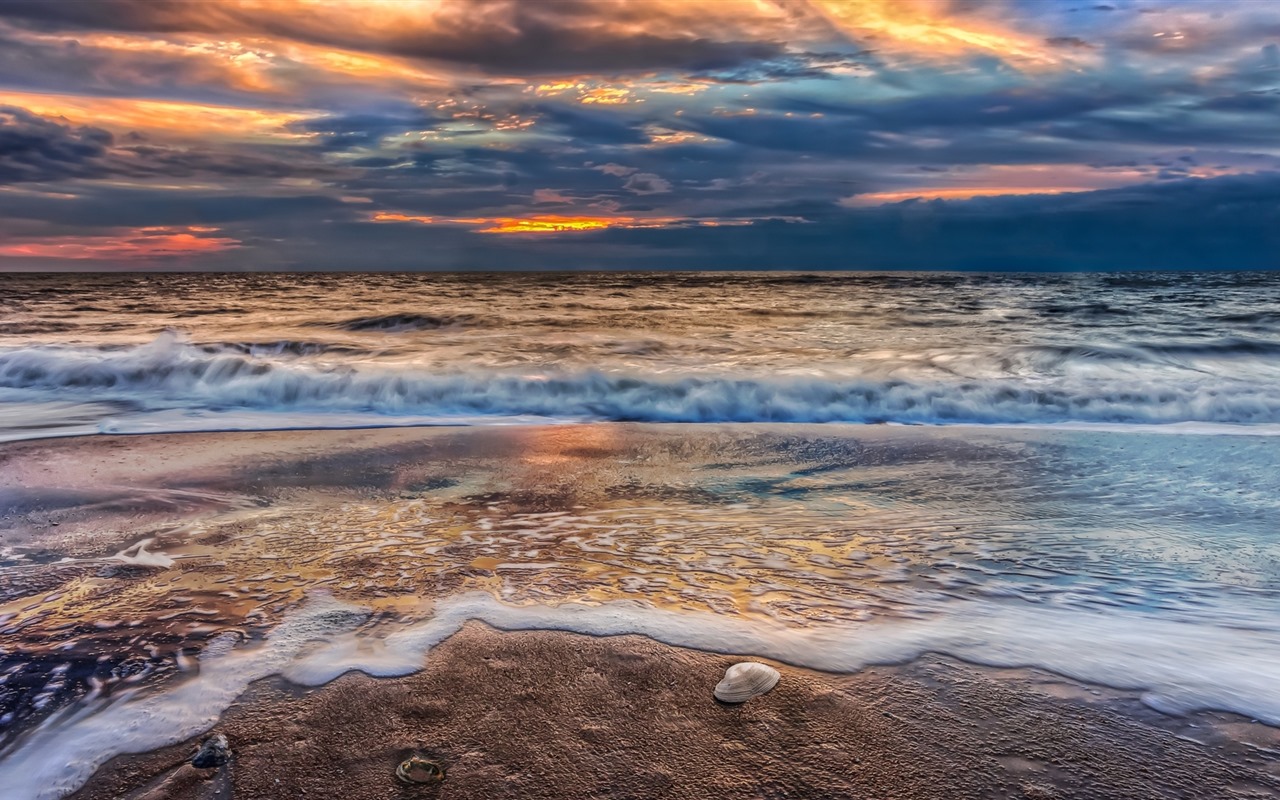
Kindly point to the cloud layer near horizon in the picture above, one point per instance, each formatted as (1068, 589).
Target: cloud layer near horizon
(579, 134)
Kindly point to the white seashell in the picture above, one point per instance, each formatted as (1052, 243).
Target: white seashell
(745, 681)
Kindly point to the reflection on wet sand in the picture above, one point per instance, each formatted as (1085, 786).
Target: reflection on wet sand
(792, 527)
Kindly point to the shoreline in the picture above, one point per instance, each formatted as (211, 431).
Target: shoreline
(1183, 428)
(204, 497)
(553, 714)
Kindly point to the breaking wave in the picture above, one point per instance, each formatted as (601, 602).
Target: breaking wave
(170, 373)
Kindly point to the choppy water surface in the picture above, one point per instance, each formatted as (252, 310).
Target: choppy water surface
(234, 351)
(1120, 554)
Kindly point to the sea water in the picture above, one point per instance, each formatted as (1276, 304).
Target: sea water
(1080, 475)
(122, 353)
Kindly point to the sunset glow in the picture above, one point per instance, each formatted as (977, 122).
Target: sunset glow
(737, 129)
(143, 244)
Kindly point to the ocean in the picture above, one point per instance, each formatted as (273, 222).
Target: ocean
(130, 353)
(1071, 472)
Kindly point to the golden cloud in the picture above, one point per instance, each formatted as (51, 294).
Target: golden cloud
(936, 29)
(177, 120)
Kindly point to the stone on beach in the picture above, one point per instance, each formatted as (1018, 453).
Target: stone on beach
(214, 752)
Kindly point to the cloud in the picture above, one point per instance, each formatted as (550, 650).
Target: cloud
(791, 67)
(616, 169)
(936, 30)
(289, 125)
(647, 183)
(508, 36)
(550, 196)
(350, 131)
(1224, 223)
(1074, 42)
(141, 244)
(1271, 56)
(34, 149)
(597, 127)
(37, 149)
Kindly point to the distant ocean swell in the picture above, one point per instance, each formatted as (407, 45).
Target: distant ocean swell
(171, 374)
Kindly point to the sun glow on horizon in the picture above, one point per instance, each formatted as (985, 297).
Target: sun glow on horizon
(140, 244)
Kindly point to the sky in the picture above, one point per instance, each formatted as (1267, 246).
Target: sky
(1037, 135)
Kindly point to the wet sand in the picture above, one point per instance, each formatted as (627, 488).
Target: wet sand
(559, 715)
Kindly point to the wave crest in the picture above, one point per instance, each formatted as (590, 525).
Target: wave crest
(170, 373)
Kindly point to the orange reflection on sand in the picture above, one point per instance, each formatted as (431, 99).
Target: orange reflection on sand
(562, 444)
(138, 244)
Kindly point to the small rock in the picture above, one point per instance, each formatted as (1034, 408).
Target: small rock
(214, 752)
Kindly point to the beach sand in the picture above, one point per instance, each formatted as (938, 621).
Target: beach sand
(558, 715)
(536, 714)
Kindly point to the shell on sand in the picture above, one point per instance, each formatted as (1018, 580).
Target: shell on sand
(746, 680)
(416, 769)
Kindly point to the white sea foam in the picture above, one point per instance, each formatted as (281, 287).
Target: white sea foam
(139, 556)
(59, 756)
(1179, 665)
(173, 377)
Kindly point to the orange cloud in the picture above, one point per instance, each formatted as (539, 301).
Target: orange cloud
(589, 93)
(386, 216)
(138, 244)
(541, 223)
(554, 223)
(999, 180)
(176, 120)
(567, 223)
(934, 29)
(881, 198)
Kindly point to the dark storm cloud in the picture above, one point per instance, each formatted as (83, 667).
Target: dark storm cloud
(1226, 223)
(1263, 102)
(156, 161)
(347, 131)
(1068, 41)
(118, 207)
(1013, 106)
(594, 127)
(36, 149)
(508, 36)
(1223, 224)
(56, 66)
(1049, 123)
(1231, 222)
